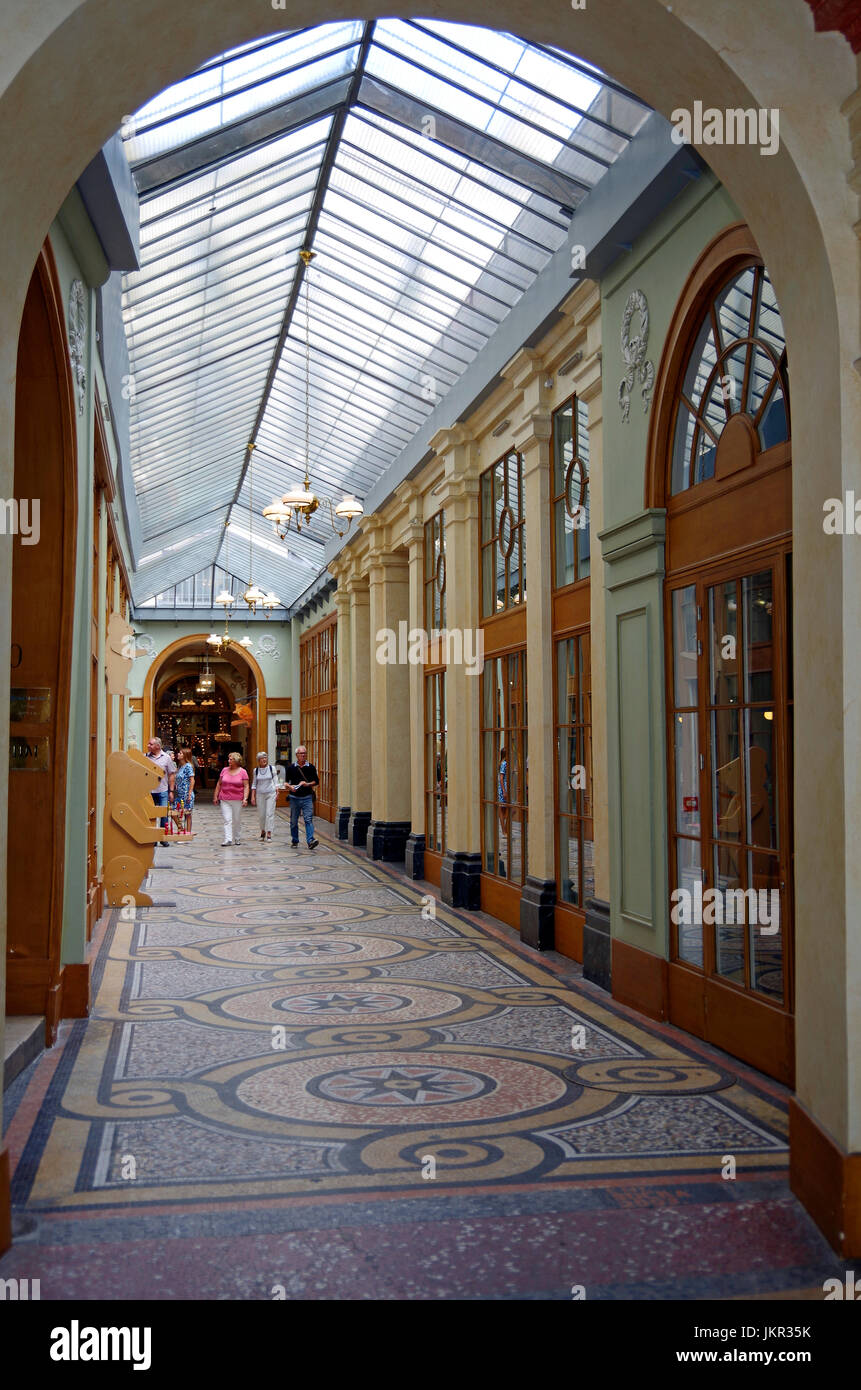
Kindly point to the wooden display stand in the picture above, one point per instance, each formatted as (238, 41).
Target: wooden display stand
(129, 832)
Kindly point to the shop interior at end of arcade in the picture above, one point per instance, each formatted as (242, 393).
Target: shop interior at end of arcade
(210, 706)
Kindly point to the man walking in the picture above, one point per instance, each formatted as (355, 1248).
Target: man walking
(301, 781)
(168, 770)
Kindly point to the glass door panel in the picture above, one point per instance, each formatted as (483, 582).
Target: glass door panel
(731, 698)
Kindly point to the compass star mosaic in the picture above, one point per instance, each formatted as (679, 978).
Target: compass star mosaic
(318, 1034)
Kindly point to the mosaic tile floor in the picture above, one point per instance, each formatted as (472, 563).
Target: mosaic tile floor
(301, 1073)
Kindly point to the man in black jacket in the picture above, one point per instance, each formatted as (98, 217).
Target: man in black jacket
(301, 781)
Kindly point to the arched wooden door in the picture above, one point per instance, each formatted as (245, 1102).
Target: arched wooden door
(722, 456)
(43, 579)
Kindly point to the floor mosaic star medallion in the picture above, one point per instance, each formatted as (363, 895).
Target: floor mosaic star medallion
(307, 1030)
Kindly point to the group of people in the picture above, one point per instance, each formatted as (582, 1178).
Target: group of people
(233, 791)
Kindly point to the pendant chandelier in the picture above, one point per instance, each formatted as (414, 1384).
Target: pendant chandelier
(299, 504)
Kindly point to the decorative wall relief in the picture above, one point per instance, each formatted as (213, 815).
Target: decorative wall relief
(268, 646)
(78, 339)
(634, 354)
(145, 646)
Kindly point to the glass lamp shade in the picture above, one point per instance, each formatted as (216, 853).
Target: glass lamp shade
(225, 599)
(271, 601)
(253, 594)
(214, 639)
(299, 499)
(278, 512)
(349, 508)
(246, 642)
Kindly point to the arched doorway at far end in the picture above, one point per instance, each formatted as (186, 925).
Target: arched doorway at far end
(168, 665)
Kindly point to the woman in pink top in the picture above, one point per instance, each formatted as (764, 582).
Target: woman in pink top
(232, 793)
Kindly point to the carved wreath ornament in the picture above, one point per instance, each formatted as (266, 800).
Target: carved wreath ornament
(634, 354)
(78, 340)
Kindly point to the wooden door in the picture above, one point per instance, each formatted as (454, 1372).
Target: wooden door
(731, 977)
(42, 599)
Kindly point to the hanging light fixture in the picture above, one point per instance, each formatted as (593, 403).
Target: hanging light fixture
(299, 503)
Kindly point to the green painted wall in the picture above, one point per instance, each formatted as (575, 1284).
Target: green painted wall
(69, 268)
(632, 545)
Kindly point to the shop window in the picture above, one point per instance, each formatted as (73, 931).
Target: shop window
(436, 763)
(574, 814)
(503, 536)
(434, 574)
(571, 493)
(505, 767)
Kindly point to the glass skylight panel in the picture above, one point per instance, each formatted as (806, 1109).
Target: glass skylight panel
(218, 95)
(423, 250)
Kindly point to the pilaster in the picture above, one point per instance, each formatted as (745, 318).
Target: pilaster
(389, 726)
(360, 712)
(345, 707)
(458, 494)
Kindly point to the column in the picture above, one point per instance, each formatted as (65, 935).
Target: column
(389, 581)
(296, 685)
(345, 698)
(596, 928)
(532, 439)
(360, 718)
(414, 855)
(461, 864)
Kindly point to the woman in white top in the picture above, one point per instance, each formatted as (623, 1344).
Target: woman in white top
(263, 794)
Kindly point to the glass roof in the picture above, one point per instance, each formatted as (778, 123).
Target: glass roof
(432, 167)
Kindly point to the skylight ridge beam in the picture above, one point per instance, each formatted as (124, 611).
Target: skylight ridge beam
(335, 132)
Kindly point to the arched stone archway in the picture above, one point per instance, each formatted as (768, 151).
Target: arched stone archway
(195, 645)
(802, 214)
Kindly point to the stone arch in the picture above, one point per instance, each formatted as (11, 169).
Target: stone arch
(198, 640)
(797, 205)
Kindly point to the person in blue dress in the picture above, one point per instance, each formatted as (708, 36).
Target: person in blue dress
(184, 786)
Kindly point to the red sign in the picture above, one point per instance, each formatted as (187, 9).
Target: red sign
(691, 803)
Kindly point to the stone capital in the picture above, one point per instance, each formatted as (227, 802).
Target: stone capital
(445, 441)
(385, 565)
(523, 368)
(533, 430)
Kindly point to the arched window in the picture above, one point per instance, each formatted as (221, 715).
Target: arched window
(737, 368)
